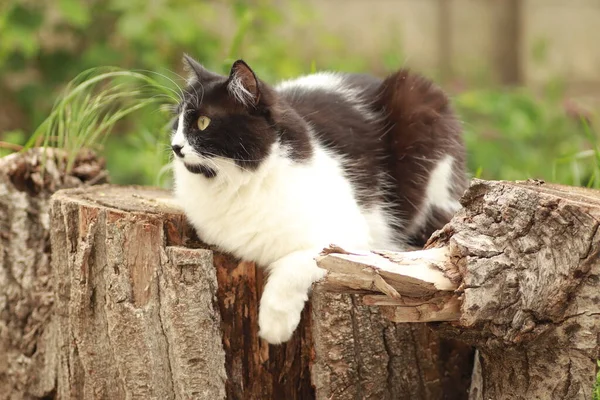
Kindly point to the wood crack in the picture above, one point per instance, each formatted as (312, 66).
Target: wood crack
(161, 324)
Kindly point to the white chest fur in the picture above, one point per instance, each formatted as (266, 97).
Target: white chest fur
(281, 208)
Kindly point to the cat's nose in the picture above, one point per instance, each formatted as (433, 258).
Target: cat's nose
(177, 150)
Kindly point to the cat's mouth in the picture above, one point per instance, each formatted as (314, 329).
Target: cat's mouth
(194, 163)
(200, 169)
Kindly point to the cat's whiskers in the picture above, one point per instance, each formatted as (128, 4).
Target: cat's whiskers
(176, 74)
(198, 99)
(175, 100)
(166, 149)
(226, 161)
(159, 95)
(202, 96)
(386, 131)
(181, 94)
(204, 159)
(244, 147)
(234, 159)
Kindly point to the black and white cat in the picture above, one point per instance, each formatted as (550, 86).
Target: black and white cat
(276, 174)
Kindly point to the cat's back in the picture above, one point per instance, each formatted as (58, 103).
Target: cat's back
(399, 141)
(327, 82)
(344, 119)
(334, 94)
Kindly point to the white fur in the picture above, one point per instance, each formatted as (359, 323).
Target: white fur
(321, 80)
(439, 188)
(281, 208)
(439, 192)
(238, 90)
(381, 228)
(331, 82)
(179, 138)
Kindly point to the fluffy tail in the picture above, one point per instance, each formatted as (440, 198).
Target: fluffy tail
(427, 158)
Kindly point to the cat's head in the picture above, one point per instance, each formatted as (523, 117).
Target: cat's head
(233, 119)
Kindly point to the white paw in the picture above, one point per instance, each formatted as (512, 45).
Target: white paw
(278, 316)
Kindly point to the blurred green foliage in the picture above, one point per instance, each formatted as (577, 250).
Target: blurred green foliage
(511, 134)
(596, 395)
(46, 44)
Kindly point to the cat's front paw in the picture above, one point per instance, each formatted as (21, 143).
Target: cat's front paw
(279, 316)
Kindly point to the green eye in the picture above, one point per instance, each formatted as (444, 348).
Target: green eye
(203, 123)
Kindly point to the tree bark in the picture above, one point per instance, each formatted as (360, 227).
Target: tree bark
(386, 360)
(525, 257)
(129, 325)
(143, 309)
(27, 346)
(413, 284)
(136, 315)
(362, 355)
(528, 254)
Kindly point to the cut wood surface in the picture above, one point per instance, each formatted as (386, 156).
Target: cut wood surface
(413, 285)
(27, 347)
(147, 307)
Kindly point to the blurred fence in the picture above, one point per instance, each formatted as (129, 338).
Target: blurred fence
(508, 41)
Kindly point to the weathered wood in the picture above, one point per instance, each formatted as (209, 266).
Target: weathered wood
(255, 369)
(147, 308)
(136, 313)
(414, 285)
(386, 360)
(527, 257)
(115, 261)
(28, 352)
(144, 309)
(359, 354)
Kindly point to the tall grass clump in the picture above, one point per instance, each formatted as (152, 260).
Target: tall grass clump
(101, 99)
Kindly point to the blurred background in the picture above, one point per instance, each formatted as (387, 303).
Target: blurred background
(524, 75)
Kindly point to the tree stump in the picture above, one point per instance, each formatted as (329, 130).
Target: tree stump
(134, 305)
(27, 347)
(528, 255)
(146, 310)
(525, 262)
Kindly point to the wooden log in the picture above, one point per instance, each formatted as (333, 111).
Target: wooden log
(359, 354)
(525, 261)
(140, 307)
(27, 346)
(529, 257)
(136, 312)
(414, 288)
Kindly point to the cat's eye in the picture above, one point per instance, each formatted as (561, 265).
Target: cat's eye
(203, 123)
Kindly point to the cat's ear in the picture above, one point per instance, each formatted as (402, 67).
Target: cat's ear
(196, 71)
(243, 84)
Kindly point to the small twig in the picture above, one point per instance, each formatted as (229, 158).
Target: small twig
(97, 178)
(11, 146)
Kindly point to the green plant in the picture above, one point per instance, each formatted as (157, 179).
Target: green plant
(514, 134)
(44, 44)
(93, 103)
(510, 134)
